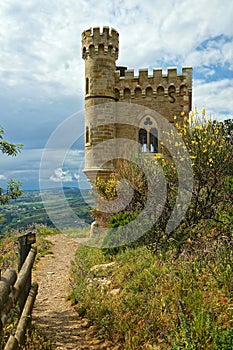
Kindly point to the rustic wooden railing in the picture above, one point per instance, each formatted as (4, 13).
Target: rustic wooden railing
(19, 290)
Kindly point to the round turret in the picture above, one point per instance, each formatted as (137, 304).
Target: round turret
(100, 52)
(96, 42)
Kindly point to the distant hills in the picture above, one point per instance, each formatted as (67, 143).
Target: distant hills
(29, 209)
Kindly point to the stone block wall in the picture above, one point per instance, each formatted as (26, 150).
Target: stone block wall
(107, 86)
(169, 94)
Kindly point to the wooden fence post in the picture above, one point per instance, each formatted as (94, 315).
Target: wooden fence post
(25, 319)
(18, 289)
(6, 283)
(24, 245)
(18, 339)
(19, 285)
(12, 343)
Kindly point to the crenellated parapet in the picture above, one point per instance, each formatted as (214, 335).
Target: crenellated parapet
(96, 41)
(132, 86)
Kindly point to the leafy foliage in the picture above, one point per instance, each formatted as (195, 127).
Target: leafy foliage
(212, 159)
(13, 190)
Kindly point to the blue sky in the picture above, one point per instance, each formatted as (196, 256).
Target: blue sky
(42, 72)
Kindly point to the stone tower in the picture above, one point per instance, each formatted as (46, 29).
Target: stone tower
(107, 85)
(100, 52)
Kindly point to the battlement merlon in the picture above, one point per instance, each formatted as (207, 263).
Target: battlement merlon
(157, 78)
(94, 37)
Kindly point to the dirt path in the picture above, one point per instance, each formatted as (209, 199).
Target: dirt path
(52, 311)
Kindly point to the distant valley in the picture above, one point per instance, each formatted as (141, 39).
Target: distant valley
(29, 208)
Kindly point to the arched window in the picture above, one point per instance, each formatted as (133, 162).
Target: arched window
(138, 92)
(101, 49)
(154, 140)
(127, 93)
(117, 94)
(91, 49)
(149, 91)
(148, 135)
(87, 135)
(87, 86)
(143, 139)
(183, 90)
(84, 51)
(160, 90)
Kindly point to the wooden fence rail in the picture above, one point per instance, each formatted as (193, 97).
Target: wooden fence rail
(18, 290)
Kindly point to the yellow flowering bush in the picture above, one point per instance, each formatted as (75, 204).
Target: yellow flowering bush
(107, 189)
(209, 144)
(209, 148)
(128, 170)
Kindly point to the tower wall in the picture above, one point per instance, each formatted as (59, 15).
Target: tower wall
(100, 52)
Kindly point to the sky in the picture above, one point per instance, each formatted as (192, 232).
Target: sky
(42, 72)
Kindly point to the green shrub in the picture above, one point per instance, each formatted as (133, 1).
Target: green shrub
(116, 238)
(162, 300)
(223, 339)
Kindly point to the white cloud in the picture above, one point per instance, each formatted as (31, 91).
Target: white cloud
(215, 97)
(227, 52)
(60, 175)
(26, 166)
(42, 40)
(217, 52)
(77, 176)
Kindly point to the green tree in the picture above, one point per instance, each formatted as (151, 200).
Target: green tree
(13, 190)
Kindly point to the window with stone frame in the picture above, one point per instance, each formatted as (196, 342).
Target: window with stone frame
(148, 135)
